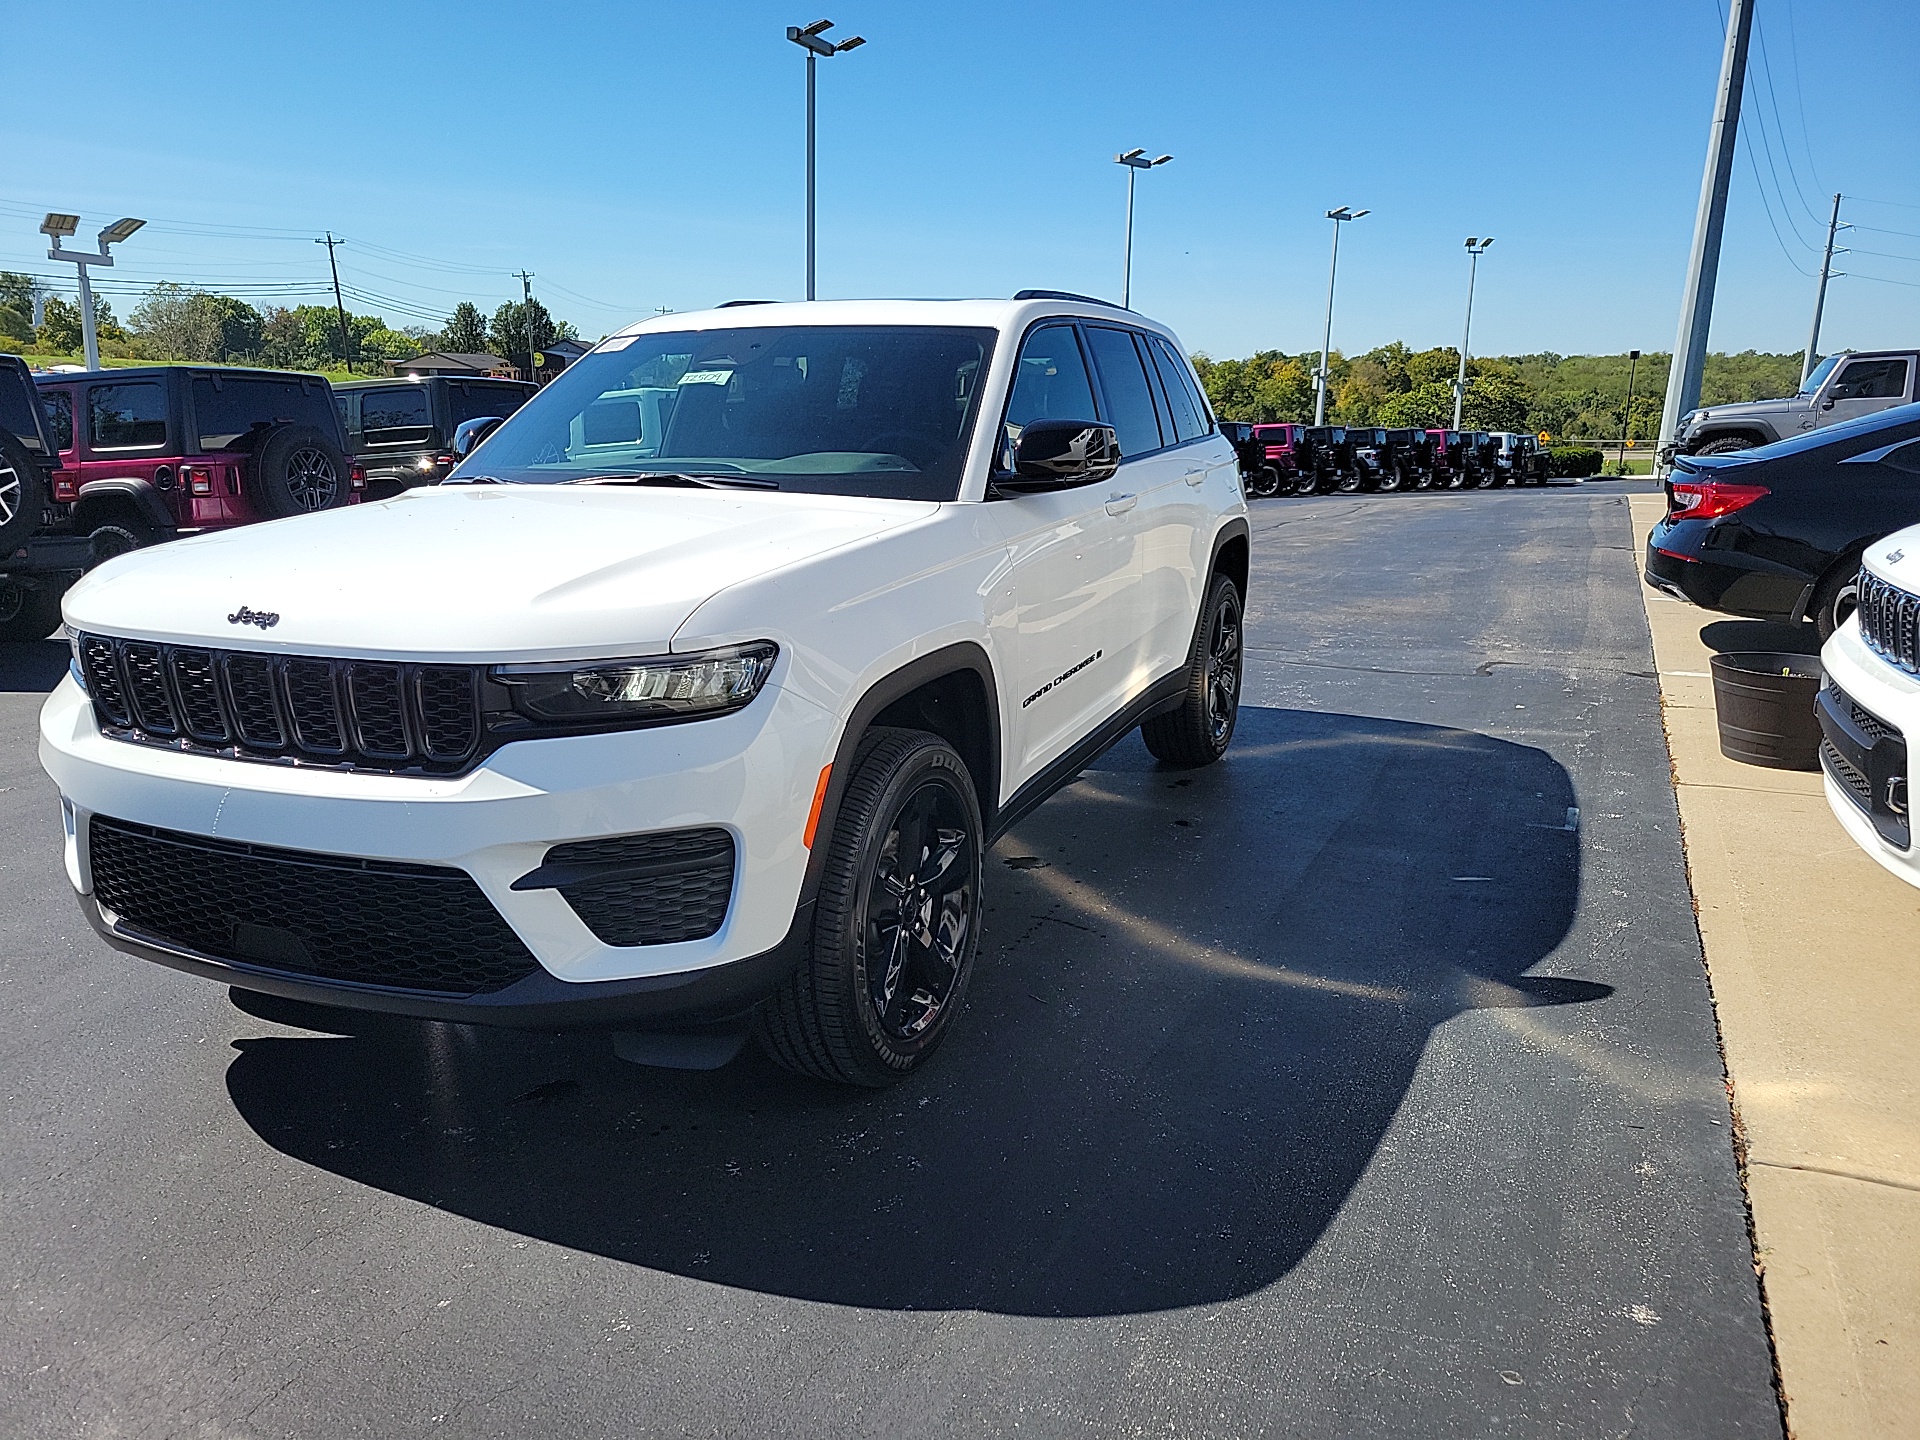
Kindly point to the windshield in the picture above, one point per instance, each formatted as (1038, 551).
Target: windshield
(1818, 375)
(884, 411)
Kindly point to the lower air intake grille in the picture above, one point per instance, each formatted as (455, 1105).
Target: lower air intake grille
(371, 922)
(1851, 780)
(657, 889)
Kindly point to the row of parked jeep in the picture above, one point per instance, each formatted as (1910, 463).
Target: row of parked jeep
(94, 464)
(1286, 459)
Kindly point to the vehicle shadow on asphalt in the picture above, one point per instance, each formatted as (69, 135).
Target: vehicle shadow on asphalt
(1201, 999)
(35, 667)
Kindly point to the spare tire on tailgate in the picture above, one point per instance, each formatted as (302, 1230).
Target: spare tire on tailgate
(23, 494)
(298, 470)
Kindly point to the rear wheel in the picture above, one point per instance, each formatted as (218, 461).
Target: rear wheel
(28, 612)
(118, 536)
(1351, 482)
(1199, 731)
(1834, 599)
(1264, 483)
(896, 924)
(1393, 478)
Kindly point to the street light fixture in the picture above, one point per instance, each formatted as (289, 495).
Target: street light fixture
(1476, 247)
(812, 39)
(1339, 217)
(58, 227)
(1135, 160)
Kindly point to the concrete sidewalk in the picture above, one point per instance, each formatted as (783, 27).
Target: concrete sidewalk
(1814, 955)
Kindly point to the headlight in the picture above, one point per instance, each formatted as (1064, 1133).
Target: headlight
(74, 667)
(649, 688)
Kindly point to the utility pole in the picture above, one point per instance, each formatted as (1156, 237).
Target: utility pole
(1476, 247)
(525, 277)
(1626, 425)
(339, 306)
(1703, 265)
(1834, 227)
(1339, 218)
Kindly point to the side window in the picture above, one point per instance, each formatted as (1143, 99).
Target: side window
(59, 407)
(1129, 397)
(1177, 367)
(1050, 381)
(1871, 380)
(401, 416)
(127, 417)
(1186, 420)
(227, 408)
(472, 401)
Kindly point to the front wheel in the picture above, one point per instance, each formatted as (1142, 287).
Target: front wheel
(896, 924)
(27, 613)
(1264, 483)
(1725, 445)
(1199, 731)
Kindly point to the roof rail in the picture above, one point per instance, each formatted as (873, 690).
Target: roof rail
(729, 304)
(1065, 295)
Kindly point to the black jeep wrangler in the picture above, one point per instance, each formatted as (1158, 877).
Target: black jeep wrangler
(403, 430)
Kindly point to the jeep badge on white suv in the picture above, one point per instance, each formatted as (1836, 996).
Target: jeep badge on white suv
(691, 702)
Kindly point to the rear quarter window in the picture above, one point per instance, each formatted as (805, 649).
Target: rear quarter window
(473, 401)
(59, 407)
(227, 408)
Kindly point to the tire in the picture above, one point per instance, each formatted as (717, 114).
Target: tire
(118, 536)
(1264, 484)
(297, 470)
(23, 493)
(1393, 479)
(1351, 482)
(27, 612)
(1199, 732)
(1725, 445)
(1834, 599)
(843, 1015)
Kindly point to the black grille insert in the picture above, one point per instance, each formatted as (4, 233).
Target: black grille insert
(656, 889)
(370, 922)
(354, 713)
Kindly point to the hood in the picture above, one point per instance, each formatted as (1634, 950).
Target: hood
(1896, 559)
(473, 573)
(1743, 409)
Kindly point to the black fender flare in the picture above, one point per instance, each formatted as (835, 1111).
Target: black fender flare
(141, 494)
(964, 656)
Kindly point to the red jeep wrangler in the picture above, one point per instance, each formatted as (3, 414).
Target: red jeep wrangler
(146, 455)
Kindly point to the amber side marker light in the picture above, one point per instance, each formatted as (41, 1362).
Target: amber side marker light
(819, 799)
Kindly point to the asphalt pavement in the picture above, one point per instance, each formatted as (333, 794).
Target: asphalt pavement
(1364, 1084)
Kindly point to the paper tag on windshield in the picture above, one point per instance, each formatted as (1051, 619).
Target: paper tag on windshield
(618, 342)
(706, 377)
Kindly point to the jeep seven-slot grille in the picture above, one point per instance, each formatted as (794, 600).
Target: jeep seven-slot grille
(1890, 621)
(363, 714)
(369, 922)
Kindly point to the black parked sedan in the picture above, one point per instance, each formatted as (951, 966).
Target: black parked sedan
(1775, 533)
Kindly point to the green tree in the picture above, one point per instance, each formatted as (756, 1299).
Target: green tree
(283, 341)
(16, 308)
(1426, 406)
(60, 327)
(1496, 402)
(466, 332)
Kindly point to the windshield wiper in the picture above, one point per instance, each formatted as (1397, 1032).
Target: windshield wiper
(680, 477)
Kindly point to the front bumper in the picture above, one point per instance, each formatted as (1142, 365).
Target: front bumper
(1868, 713)
(751, 774)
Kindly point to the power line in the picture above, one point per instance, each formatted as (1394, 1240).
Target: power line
(1779, 129)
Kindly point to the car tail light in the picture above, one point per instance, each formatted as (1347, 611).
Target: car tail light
(1709, 499)
(357, 475)
(199, 479)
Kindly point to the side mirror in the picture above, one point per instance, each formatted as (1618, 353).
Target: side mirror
(468, 434)
(1056, 454)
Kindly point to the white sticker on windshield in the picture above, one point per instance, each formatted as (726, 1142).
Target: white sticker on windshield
(706, 377)
(618, 342)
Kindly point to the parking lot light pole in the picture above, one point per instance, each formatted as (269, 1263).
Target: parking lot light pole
(1339, 217)
(810, 39)
(58, 227)
(1476, 247)
(1135, 160)
(1626, 425)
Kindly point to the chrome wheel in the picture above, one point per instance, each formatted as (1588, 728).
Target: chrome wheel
(1223, 670)
(919, 912)
(311, 479)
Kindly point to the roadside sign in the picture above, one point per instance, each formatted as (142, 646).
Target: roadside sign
(1545, 438)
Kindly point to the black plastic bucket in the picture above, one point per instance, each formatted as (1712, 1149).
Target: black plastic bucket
(1765, 704)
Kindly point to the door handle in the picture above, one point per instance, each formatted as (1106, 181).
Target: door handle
(1120, 504)
(1196, 477)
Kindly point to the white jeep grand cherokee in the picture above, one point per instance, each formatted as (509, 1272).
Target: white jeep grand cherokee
(691, 701)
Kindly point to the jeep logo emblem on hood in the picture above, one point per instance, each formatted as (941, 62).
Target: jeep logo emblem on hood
(265, 619)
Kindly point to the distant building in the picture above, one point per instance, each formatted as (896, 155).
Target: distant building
(437, 362)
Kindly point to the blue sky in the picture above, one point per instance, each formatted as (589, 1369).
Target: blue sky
(636, 155)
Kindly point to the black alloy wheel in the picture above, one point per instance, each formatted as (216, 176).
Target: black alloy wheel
(1351, 481)
(896, 924)
(1393, 477)
(1201, 729)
